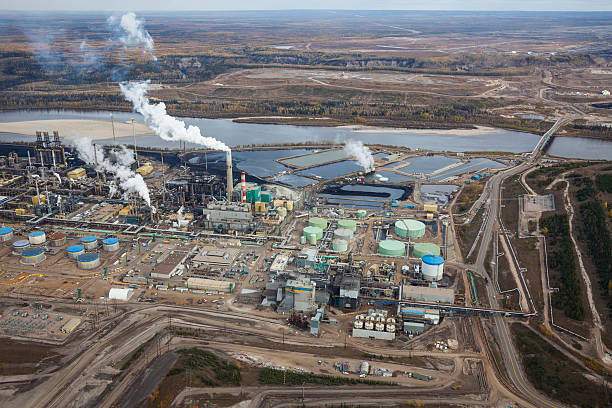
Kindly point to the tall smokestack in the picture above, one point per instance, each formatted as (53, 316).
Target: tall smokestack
(229, 176)
(243, 186)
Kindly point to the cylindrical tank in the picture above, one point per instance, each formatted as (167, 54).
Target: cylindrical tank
(312, 238)
(282, 212)
(75, 250)
(88, 260)
(37, 237)
(380, 326)
(6, 234)
(89, 242)
(421, 249)
(362, 213)
(391, 320)
(361, 317)
(348, 224)
(110, 244)
(317, 222)
(391, 327)
(339, 245)
(20, 245)
(313, 230)
(32, 255)
(391, 247)
(302, 240)
(364, 368)
(409, 229)
(369, 325)
(344, 234)
(58, 239)
(358, 324)
(432, 267)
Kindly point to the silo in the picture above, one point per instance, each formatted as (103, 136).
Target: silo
(432, 267)
(37, 237)
(32, 256)
(343, 234)
(313, 230)
(20, 245)
(89, 242)
(317, 222)
(58, 239)
(6, 234)
(75, 250)
(391, 247)
(339, 245)
(88, 260)
(348, 224)
(421, 249)
(110, 244)
(409, 229)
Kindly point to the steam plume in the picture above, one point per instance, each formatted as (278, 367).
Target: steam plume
(362, 153)
(133, 32)
(118, 165)
(165, 126)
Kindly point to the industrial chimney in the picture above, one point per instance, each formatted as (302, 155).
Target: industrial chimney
(229, 176)
(243, 186)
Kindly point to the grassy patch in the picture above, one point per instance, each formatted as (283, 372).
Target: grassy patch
(553, 374)
(270, 376)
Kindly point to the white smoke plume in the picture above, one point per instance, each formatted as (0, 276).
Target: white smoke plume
(362, 153)
(132, 32)
(165, 126)
(118, 165)
(59, 179)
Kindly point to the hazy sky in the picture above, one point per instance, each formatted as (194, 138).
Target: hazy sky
(535, 5)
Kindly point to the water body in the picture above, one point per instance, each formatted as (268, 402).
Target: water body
(294, 180)
(236, 134)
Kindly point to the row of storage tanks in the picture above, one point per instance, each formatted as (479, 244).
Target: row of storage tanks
(31, 253)
(378, 323)
(393, 247)
(342, 235)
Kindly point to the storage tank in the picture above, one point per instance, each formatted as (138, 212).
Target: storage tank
(32, 256)
(90, 242)
(75, 250)
(362, 213)
(317, 222)
(20, 245)
(390, 327)
(339, 245)
(432, 267)
(361, 317)
(88, 260)
(282, 212)
(380, 326)
(364, 368)
(358, 324)
(344, 234)
(421, 249)
(302, 240)
(348, 224)
(6, 234)
(37, 237)
(110, 244)
(391, 247)
(58, 239)
(409, 229)
(312, 238)
(369, 325)
(313, 230)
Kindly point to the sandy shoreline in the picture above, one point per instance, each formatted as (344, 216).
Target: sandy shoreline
(479, 130)
(75, 128)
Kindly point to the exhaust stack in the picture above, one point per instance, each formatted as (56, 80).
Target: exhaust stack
(243, 187)
(229, 176)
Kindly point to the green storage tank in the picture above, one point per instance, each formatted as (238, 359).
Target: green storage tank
(318, 232)
(339, 245)
(409, 229)
(317, 222)
(391, 247)
(421, 249)
(312, 238)
(348, 224)
(265, 196)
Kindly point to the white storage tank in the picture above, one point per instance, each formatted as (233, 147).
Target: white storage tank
(6, 234)
(380, 326)
(344, 234)
(339, 245)
(32, 256)
(358, 324)
(110, 244)
(37, 237)
(90, 242)
(369, 325)
(432, 268)
(75, 250)
(88, 260)
(20, 245)
(391, 327)
(364, 368)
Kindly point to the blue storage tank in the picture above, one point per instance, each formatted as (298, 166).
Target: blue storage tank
(89, 242)
(88, 260)
(75, 250)
(32, 255)
(20, 245)
(110, 244)
(6, 234)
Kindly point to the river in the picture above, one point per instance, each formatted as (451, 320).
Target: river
(237, 134)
